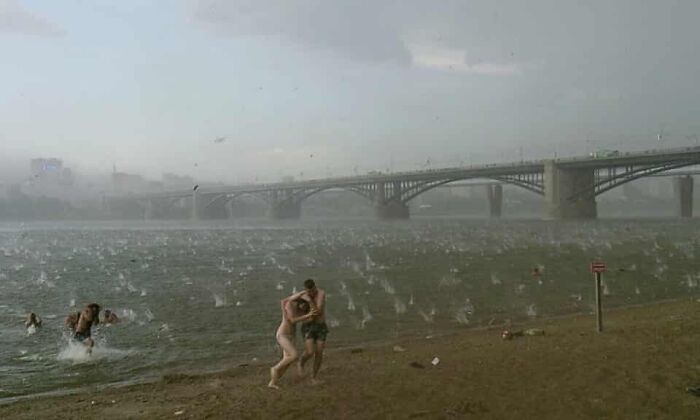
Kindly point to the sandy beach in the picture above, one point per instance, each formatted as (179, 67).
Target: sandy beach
(639, 367)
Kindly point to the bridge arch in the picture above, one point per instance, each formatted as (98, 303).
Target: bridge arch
(419, 189)
(605, 182)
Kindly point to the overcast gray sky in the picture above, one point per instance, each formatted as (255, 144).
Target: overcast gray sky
(325, 86)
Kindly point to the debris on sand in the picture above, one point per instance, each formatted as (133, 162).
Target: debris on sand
(507, 334)
(435, 361)
(399, 349)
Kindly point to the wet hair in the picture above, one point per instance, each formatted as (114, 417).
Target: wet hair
(309, 284)
(303, 306)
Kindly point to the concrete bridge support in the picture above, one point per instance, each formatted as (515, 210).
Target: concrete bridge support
(683, 188)
(563, 192)
(495, 196)
(206, 207)
(284, 205)
(197, 206)
(286, 210)
(389, 208)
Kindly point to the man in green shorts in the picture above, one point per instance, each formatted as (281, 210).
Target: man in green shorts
(314, 331)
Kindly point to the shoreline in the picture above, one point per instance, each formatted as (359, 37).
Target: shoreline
(470, 362)
(521, 321)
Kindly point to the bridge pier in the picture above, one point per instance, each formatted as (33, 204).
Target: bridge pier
(495, 197)
(286, 210)
(683, 188)
(568, 193)
(390, 208)
(207, 207)
(197, 211)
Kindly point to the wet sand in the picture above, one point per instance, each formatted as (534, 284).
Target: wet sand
(639, 367)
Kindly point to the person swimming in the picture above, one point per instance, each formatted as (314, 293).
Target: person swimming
(110, 317)
(32, 320)
(295, 308)
(32, 323)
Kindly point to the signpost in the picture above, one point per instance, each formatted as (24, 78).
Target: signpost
(598, 268)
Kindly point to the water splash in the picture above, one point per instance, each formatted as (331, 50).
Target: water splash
(78, 353)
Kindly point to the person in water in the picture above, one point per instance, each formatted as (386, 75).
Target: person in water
(110, 317)
(71, 321)
(33, 321)
(314, 330)
(294, 309)
(83, 330)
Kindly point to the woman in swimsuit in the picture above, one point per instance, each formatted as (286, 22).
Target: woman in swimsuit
(295, 308)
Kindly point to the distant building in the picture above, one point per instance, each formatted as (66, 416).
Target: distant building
(49, 171)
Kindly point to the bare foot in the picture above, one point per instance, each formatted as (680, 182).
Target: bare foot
(273, 379)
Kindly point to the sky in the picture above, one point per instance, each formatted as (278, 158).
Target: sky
(239, 90)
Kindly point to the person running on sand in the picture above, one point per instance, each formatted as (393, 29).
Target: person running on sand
(83, 331)
(314, 331)
(294, 309)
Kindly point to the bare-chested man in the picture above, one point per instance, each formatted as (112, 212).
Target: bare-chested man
(83, 330)
(110, 317)
(294, 309)
(314, 331)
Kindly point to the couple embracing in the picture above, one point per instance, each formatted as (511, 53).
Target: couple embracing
(307, 307)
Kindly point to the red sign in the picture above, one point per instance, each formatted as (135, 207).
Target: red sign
(597, 267)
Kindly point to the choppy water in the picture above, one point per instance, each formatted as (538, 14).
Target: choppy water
(205, 297)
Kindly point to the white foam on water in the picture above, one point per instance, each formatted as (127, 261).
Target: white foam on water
(149, 315)
(219, 301)
(399, 306)
(31, 330)
(351, 304)
(78, 353)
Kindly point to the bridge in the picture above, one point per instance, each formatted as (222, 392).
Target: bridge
(569, 186)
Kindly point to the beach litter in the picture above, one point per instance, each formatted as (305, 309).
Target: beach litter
(531, 332)
(435, 361)
(399, 349)
(179, 413)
